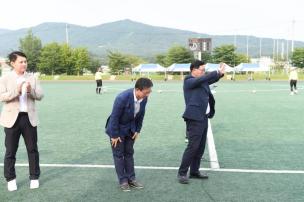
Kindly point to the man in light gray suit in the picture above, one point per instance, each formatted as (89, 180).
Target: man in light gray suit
(18, 92)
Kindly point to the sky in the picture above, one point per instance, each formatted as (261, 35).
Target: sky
(262, 18)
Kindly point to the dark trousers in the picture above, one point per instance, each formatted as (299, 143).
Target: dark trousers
(12, 136)
(123, 159)
(293, 85)
(197, 135)
(98, 86)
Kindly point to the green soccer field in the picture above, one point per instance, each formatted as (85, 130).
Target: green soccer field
(257, 130)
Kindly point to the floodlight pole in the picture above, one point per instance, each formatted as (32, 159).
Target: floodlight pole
(247, 39)
(282, 50)
(273, 51)
(260, 48)
(67, 34)
(287, 51)
(293, 33)
(277, 54)
(234, 48)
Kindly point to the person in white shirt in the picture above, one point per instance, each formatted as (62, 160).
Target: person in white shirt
(18, 92)
(293, 79)
(98, 79)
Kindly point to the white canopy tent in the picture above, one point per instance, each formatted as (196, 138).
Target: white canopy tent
(179, 67)
(252, 67)
(149, 68)
(212, 67)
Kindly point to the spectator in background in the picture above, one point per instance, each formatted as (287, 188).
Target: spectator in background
(293, 79)
(98, 79)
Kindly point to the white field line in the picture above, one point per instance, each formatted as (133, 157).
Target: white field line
(167, 168)
(211, 148)
(256, 90)
(233, 91)
(258, 171)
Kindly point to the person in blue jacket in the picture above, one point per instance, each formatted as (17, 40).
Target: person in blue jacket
(123, 127)
(199, 107)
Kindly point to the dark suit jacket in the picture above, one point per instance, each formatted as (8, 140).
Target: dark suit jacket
(122, 122)
(197, 94)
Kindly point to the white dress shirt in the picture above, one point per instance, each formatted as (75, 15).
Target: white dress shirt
(23, 96)
(208, 108)
(136, 104)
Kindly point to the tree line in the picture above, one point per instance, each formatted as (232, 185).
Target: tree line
(178, 54)
(55, 58)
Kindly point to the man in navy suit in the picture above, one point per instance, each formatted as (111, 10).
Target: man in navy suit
(123, 127)
(199, 107)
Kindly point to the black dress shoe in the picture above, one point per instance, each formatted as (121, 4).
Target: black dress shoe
(183, 179)
(199, 175)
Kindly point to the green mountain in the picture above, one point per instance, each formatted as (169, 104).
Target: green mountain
(129, 37)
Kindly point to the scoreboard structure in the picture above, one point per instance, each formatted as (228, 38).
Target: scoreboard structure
(199, 46)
